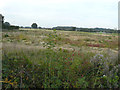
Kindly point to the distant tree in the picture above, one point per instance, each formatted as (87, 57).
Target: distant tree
(6, 25)
(14, 27)
(39, 27)
(21, 27)
(34, 25)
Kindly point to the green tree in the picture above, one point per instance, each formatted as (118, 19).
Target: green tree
(6, 25)
(34, 25)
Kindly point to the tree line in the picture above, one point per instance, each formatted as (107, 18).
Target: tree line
(7, 26)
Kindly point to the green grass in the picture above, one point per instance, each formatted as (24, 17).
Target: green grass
(28, 64)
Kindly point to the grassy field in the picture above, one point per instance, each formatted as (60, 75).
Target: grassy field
(60, 59)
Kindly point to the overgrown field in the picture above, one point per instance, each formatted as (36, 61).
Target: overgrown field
(60, 59)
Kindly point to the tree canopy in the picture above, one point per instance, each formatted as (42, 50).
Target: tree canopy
(34, 25)
(6, 25)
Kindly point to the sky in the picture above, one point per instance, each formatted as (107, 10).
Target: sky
(51, 13)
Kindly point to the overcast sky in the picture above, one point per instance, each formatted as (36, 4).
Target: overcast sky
(50, 13)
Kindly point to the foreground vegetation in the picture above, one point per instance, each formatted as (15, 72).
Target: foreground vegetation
(60, 59)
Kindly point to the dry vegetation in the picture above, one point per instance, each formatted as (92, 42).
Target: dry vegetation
(53, 59)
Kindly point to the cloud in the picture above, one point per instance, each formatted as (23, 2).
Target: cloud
(49, 13)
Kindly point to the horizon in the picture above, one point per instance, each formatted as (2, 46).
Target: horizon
(52, 13)
(68, 26)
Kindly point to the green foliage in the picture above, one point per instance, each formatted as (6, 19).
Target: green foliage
(6, 35)
(52, 39)
(7, 26)
(25, 67)
(81, 83)
(54, 70)
(34, 25)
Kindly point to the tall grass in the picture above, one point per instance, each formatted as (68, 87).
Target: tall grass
(31, 67)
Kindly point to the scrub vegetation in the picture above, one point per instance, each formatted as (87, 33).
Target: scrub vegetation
(59, 59)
